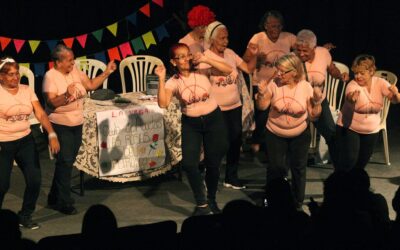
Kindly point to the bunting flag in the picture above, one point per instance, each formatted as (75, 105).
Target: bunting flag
(27, 65)
(132, 18)
(4, 42)
(137, 44)
(100, 56)
(51, 65)
(113, 54)
(81, 57)
(125, 49)
(146, 9)
(98, 34)
(113, 28)
(161, 32)
(82, 40)
(148, 39)
(18, 43)
(39, 68)
(68, 42)
(33, 44)
(159, 2)
(52, 44)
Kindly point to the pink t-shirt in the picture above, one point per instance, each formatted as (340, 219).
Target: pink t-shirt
(272, 51)
(194, 46)
(288, 112)
(56, 82)
(193, 93)
(224, 88)
(317, 69)
(364, 116)
(14, 113)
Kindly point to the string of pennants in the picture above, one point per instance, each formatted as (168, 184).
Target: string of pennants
(118, 52)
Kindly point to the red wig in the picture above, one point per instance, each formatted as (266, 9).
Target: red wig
(200, 15)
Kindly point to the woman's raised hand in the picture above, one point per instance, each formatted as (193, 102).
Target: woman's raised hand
(160, 71)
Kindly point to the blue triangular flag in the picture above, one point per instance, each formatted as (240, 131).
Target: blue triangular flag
(52, 44)
(39, 69)
(101, 56)
(161, 32)
(132, 18)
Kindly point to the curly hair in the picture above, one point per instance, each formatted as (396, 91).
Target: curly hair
(200, 15)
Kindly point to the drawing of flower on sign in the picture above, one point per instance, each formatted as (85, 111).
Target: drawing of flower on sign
(153, 145)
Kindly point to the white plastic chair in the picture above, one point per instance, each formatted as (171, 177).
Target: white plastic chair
(392, 79)
(26, 72)
(91, 68)
(139, 67)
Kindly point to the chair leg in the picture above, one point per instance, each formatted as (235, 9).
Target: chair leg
(386, 146)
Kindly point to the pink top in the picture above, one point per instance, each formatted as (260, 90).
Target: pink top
(317, 69)
(272, 51)
(193, 93)
(14, 113)
(56, 82)
(194, 45)
(364, 116)
(288, 112)
(224, 88)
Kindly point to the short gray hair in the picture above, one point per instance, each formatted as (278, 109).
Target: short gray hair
(212, 29)
(58, 50)
(307, 38)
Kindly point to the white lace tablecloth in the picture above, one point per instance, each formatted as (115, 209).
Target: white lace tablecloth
(88, 156)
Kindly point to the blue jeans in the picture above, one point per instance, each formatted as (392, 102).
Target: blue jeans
(70, 139)
(210, 130)
(25, 153)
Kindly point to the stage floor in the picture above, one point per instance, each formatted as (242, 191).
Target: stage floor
(168, 198)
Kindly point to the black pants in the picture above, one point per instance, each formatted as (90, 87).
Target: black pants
(70, 139)
(25, 153)
(233, 121)
(260, 117)
(326, 127)
(355, 149)
(278, 148)
(211, 131)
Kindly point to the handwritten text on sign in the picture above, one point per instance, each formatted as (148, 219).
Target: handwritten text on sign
(130, 140)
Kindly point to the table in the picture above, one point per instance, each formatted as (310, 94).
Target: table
(88, 156)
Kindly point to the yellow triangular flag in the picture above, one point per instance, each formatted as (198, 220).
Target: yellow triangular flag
(148, 39)
(81, 57)
(34, 44)
(113, 28)
(27, 65)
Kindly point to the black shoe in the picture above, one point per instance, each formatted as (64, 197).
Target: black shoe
(201, 211)
(68, 209)
(234, 184)
(214, 207)
(26, 221)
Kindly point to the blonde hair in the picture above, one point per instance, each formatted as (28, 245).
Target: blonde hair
(363, 62)
(291, 62)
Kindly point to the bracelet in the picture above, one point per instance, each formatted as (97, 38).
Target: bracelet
(52, 135)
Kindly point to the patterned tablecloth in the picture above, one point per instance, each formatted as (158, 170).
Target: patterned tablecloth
(88, 156)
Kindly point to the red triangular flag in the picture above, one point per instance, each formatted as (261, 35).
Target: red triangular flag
(18, 44)
(51, 64)
(113, 54)
(68, 42)
(146, 10)
(82, 40)
(159, 2)
(4, 41)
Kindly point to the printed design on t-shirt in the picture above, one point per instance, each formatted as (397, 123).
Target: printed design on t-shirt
(223, 81)
(193, 94)
(365, 105)
(316, 78)
(18, 112)
(288, 105)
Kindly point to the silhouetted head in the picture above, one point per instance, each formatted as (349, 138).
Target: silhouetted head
(98, 220)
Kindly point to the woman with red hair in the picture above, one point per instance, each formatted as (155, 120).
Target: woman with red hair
(198, 18)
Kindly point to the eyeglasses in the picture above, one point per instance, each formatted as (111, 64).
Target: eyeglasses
(182, 57)
(282, 73)
(11, 75)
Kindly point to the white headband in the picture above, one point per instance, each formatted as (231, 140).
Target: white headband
(6, 60)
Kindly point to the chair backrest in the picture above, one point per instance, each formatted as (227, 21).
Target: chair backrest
(331, 87)
(139, 67)
(26, 72)
(92, 68)
(392, 79)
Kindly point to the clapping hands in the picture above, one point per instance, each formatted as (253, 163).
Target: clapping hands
(352, 97)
